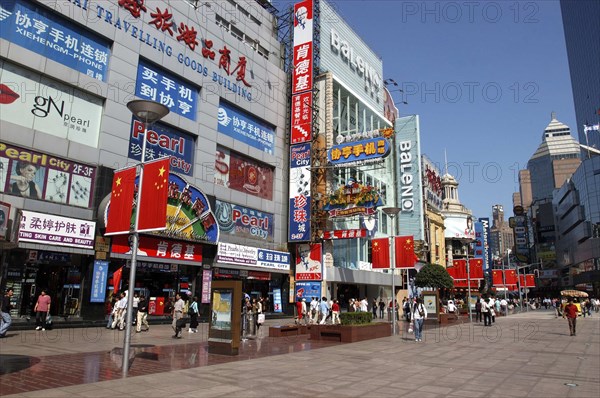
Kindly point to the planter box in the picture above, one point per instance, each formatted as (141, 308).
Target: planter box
(350, 333)
(288, 330)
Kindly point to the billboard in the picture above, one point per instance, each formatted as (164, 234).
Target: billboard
(460, 226)
(309, 262)
(351, 61)
(432, 184)
(38, 103)
(300, 193)
(244, 222)
(245, 128)
(409, 188)
(243, 174)
(51, 36)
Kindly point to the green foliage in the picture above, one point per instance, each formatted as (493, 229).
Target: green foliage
(356, 318)
(435, 276)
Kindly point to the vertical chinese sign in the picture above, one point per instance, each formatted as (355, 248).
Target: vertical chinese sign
(301, 123)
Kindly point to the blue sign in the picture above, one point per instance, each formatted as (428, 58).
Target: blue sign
(273, 259)
(308, 290)
(479, 243)
(299, 206)
(163, 141)
(244, 222)
(245, 128)
(486, 243)
(53, 37)
(154, 84)
(364, 151)
(99, 278)
(277, 300)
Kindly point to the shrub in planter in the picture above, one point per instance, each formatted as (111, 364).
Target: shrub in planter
(356, 318)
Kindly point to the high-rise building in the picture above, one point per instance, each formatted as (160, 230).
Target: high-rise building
(501, 235)
(525, 188)
(582, 37)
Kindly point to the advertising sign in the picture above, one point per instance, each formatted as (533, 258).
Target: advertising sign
(308, 290)
(159, 248)
(478, 244)
(48, 229)
(99, 278)
(160, 86)
(228, 253)
(432, 184)
(345, 234)
(459, 226)
(301, 118)
(36, 175)
(302, 74)
(352, 199)
(163, 141)
(39, 103)
(242, 174)
(487, 253)
(243, 221)
(300, 180)
(359, 152)
(206, 283)
(4, 217)
(245, 128)
(277, 300)
(52, 36)
(309, 262)
(521, 240)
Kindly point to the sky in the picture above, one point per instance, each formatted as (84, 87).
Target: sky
(484, 77)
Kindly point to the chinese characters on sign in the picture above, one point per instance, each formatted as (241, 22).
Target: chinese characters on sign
(160, 248)
(359, 151)
(301, 118)
(245, 128)
(49, 229)
(37, 30)
(243, 174)
(99, 278)
(159, 86)
(345, 234)
(299, 206)
(228, 253)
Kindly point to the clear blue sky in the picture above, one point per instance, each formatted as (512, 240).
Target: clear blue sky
(484, 81)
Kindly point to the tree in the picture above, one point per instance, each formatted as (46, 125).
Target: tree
(434, 276)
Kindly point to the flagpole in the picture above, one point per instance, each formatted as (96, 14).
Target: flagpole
(148, 112)
(392, 212)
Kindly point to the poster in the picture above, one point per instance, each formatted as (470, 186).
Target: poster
(221, 309)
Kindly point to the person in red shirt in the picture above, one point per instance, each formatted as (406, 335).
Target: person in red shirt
(570, 312)
(42, 309)
(335, 313)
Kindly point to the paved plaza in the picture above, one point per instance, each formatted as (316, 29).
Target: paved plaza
(529, 354)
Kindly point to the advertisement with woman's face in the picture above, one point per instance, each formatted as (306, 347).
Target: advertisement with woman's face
(459, 226)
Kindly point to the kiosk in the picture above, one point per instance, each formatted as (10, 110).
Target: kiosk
(224, 329)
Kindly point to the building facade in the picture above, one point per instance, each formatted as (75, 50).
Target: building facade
(71, 68)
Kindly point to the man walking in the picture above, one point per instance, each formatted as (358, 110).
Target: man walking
(177, 315)
(121, 307)
(485, 311)
(5, 312)
(142, 315)
(324, 308)
(570, 312)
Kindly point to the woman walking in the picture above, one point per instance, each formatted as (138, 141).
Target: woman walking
(418, 316)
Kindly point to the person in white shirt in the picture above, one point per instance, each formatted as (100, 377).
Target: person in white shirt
(177, 315)
(417, 316)
(504, 306)
(364, 305)
(485, 311)
(492, 305)
(121, 311)
(313, 314)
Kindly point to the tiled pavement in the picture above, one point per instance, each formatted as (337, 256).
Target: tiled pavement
(526, 354)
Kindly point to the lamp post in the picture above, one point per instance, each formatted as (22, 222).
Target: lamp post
(469, 283)
(147, 112)
(504, 278)
(392, 212)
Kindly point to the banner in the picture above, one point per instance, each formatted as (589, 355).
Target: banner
(153, 196)
(309, 262)
(300, 193)
(380, 253)
(116, 280)
(99, 278)
(206, 284)
(48, 229)
(510, 277)
(120, 216)
(277, 301)
(498, 277)
(404, 247)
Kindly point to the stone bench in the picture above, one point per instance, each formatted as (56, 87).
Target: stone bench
(287, 330)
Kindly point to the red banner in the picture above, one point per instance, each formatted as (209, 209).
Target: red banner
(405, 252)
(380, 253)
(530, 280)
(510, 277)
(302, 79)
(460, 269)
(497, 277)
(154, 194)
(121, 202)
(301, 118)
(117, 279)
(476, 268)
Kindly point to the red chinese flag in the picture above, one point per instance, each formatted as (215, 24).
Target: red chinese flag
(117, 279)
(476, 268)
(460, 269)
(510, 277)
(405, 251)
(154, 194)
(121, 202)
(380, 253)
(530, 280)
(451, 272)
(497, 277)
(521, 280)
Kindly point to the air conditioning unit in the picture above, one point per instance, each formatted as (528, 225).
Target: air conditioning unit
(458, 251)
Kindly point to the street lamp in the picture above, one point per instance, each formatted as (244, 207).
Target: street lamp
(392, 212)
(147, 112)
(469, 282)
(504, 279)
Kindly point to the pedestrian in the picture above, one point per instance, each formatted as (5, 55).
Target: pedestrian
(335, 313)
(42, 310)
(478, 310)
(301, 310)
(485, 311)
(588, 307)
(324, 309)
(406, 308)
(193, 313)
(5, 312)
(418, 315)
(121, 310)
(313, 310)
(364, 305)
(374, 308)
(109, 307)
(570, 312)
(492, 305)
(452, 308)
(177, 314)
(381, 308)
(134, 306)
(142, 315)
